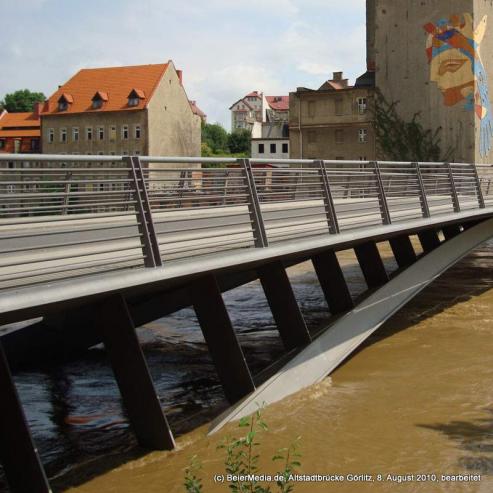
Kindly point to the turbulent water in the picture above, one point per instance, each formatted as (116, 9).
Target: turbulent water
(417, 399)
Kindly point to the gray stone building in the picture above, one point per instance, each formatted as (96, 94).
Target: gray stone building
(334, 121)
(436, 57)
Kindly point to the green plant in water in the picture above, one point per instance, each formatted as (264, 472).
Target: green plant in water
(242, 459)
(193, 484)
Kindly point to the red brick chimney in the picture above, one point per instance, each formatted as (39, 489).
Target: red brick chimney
(38, 108)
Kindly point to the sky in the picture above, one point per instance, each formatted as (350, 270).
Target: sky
(226, 48)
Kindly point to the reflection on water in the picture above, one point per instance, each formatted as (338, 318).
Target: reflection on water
(414, 400)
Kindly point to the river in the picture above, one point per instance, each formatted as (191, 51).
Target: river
(416, 399)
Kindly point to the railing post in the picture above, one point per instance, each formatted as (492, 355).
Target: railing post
(254, 205)
(478, 185)
(68, 177)
(422, 192)
(150, 247)
(453, 189)
(329, 206)
(382, 199)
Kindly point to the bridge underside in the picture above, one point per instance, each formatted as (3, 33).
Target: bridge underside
(111, 316)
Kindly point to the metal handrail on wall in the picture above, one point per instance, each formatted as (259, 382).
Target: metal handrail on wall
(72, 215)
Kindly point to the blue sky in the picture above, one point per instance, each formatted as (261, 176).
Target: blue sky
(225, 48)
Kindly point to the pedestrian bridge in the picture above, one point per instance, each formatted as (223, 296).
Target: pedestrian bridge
(99, 245)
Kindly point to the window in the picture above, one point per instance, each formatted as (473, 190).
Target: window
(261, 148)
(97, 104)
(34, 144)
(51, 135)
(137, 131)
(63, 135)
(311, 108)
(285, 148)
(75, 134)
(362, 106)
(339, 136)
(363, 158)
(312, 137)
(339, 106)
(112, 133)
(101, 133)
(273, 148)
(88, 133)
(62, 105)
(124, 132)
(125, 153)
(2, 144)
(362, 135)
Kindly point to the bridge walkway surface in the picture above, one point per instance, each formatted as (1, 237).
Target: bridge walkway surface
(93, 246)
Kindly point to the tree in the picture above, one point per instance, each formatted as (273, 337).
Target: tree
(239, 141)
(214, 135)
(398, 140)
(22, 100)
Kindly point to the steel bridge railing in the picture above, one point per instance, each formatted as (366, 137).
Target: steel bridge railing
(66, 216)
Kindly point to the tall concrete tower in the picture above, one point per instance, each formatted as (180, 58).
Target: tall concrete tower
(436, 57)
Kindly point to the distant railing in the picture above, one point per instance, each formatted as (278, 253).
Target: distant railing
(67, 215)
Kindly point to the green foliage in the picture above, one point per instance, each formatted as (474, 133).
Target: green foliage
(22, 100)
(193, 484)
(242, 459)
(215, 137)
(398, 140)
(239, 141)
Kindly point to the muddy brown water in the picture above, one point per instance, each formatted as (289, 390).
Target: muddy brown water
(417, 399)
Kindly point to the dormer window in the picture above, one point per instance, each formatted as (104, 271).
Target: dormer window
(99, 99)
(135, 96)
(64, 102)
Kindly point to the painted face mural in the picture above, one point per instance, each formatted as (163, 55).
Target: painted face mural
(456, 67)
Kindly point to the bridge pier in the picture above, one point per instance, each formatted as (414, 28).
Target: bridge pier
(132, 375)
(429, 240)
(18, 454)
(285, 310)
(403, 251)
(332, 282)
(221, 339)
(371, 264)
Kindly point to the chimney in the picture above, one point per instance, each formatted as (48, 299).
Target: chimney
(371, 26)
(180, 76)
(337, 76)
(38, 108)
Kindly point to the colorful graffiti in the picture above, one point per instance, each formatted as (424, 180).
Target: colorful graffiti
(456, 67)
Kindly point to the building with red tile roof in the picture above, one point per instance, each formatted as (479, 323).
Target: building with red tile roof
(256, 108)
(20, 132)
(141, 109)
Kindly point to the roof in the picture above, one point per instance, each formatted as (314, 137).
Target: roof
(196, 110)
(115, 82)
(333, 85)
(16, 120)
(253, 94)
(278, 103)
(30, 132)
(242, 100)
